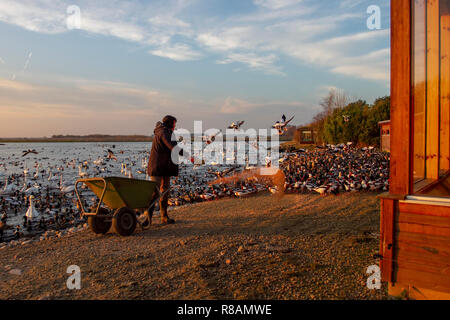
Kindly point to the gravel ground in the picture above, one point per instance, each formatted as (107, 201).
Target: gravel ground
(263, 247)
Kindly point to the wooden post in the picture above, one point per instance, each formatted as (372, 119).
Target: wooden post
(401, 161)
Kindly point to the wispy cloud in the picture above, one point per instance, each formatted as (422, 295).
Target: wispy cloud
(255, 62)
(351, 3)
(177, 52)
(36, 16)
(27, 62)
(235, 106)
(276, 4)
(307, 31)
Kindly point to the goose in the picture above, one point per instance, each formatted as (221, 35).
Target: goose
(273, 190)
(207, 196)
(247, 192)
(321, 190)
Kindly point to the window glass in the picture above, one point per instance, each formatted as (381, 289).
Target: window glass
(431, 96)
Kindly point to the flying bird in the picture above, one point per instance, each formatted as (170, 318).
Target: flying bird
(281, 126)
(26, 152)
(211, 139)
(236, 126)
(111, 155)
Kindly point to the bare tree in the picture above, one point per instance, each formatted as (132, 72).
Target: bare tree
(335, 99)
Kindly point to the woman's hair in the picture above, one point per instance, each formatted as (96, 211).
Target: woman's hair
(169, 121)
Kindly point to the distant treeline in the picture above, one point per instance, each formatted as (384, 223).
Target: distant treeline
(100, 138)
(343, 121)
(87, 138)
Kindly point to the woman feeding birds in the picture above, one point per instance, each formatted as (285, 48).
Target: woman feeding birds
(161, 165)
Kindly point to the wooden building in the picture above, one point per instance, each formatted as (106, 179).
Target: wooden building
(385, 135)
(306, 135)
(415, 214)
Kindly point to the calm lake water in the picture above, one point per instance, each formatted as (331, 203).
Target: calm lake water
(56, 155)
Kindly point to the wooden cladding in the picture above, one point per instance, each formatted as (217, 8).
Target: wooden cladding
(421, 254)
(387, 238)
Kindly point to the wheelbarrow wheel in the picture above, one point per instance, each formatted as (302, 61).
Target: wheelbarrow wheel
(124, 221)
(100, 225)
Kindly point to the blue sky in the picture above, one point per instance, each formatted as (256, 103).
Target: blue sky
(132, 62)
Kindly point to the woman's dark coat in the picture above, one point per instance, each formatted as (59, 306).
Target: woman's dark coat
(160, 163)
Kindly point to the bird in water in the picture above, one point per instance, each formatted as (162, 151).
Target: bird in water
(32, 212)
(111, 155)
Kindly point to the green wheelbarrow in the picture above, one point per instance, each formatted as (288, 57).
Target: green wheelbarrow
(125, 198)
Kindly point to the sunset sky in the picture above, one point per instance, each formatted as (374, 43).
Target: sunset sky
(132, 62)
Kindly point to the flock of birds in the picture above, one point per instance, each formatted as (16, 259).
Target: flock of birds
(335, 169)
(40, 196)
(280, 126)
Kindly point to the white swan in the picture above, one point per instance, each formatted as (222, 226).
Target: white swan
(81, 173)
(65, 187)
(32, 212)
(33, 189)
(9, 188)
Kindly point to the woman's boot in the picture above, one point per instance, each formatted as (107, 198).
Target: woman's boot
(163, 204)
